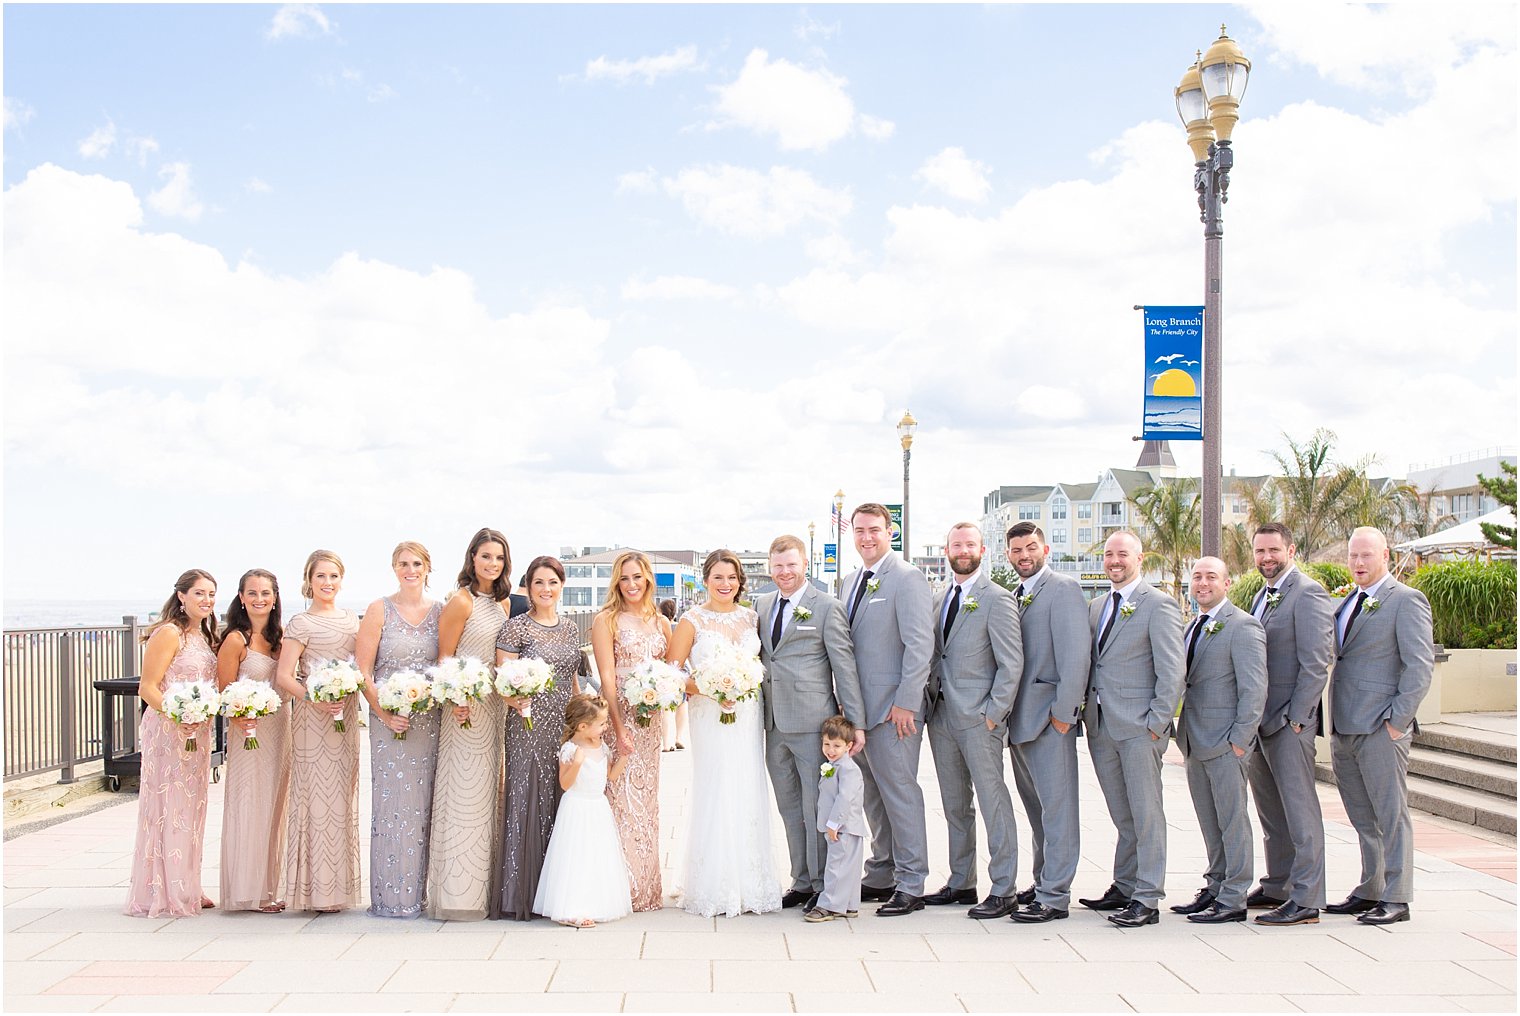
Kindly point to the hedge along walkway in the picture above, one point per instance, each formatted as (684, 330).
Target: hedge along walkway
(68, 947)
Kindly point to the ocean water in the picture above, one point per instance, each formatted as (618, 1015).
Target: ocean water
(75, 613)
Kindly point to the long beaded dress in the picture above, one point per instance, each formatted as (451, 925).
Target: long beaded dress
(322, 841)
(253, 808)
(635, 796)
(532, 769)
(401, 774)
(171, 802)
(467, 787)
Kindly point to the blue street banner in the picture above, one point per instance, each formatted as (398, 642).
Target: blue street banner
(830, 558)
(1173, 374)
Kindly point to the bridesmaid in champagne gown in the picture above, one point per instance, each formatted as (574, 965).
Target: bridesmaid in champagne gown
(628, 630)
(400, 633)
(171, 803)
(467, 787)
(322, 839)
(253, 806)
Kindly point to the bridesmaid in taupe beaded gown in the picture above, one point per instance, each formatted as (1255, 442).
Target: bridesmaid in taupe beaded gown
(467, 787)
(400, 633)
(322, 828)
(627, 631)
(258, 780)
(533, 788)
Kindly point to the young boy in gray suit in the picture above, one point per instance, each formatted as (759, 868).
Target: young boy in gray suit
(842, 820)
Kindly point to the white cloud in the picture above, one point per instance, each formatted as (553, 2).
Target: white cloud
(1046, 403)
(677, 287)
(256, 186)
(648, 69)
(953, 173)
(380, 93)
(745, 202)
(809, 28)
(140, 149)
(177, 197)
(100, 142)
(804, 109)
(644, 181)
(17, 113)
(299, 21)
(875, 128)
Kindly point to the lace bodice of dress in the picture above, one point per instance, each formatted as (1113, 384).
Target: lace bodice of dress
(736, 627)
(194, 662)
(634, 644)
(591, 780)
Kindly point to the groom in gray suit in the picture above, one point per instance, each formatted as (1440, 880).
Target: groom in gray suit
(891, 615)
(978, 657)
(809, 676)
(1137, 675)
(1382, 672)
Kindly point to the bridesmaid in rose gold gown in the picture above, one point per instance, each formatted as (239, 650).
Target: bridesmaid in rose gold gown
(171, 803)
(628, 630)
(253, 806)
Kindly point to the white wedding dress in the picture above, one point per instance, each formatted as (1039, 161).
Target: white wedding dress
(728, 843)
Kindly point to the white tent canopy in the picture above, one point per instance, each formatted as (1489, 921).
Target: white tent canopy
(1465, 538)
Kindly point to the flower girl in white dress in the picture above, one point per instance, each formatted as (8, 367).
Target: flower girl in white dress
(585, 878)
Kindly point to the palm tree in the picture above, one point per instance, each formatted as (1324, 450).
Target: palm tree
(1316, 493)
(1235, 549)
(1172, 527)
(1420, 515)
(1384, 509)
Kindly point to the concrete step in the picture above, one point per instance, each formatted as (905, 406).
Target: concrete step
(1463, 770)
(1474, 741)
(1474, 807)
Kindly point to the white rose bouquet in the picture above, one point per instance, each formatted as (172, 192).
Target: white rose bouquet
(729, 676)
(248, 699)
(191, 702)
(460, 682)
(406, 692)
(524, 678)
(653, 686)
(334, 681)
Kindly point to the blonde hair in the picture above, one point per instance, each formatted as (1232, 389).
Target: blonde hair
(415, 548)
(616, 603)
(311, 564)
(581, 709)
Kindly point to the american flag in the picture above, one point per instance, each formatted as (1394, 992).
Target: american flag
(836, 517)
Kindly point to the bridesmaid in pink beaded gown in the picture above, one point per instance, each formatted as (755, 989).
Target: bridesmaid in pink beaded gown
(628, 630)
(171, 803)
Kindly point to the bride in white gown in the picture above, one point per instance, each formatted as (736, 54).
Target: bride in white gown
(728, 843)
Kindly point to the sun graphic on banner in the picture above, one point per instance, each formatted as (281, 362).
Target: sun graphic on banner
(1174, 382)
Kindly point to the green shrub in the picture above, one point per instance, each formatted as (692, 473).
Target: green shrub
(1472, 603)
(1244, 589)
(1328, 574)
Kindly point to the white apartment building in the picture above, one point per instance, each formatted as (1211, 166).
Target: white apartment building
(1454, 482)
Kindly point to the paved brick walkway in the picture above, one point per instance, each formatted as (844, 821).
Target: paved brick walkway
(69, 949)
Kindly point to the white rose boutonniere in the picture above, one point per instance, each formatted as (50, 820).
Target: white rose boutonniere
(872, 585)
(969, 607)
(801, 613)
(827, 769)
(1273, 599)
(1127, 610)
(1372, 605)
(1213, 628)
(1026, 599)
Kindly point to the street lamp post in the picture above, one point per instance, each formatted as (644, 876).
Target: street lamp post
(905, 428)
(810, 550)
(1208, 101)
(838, 539)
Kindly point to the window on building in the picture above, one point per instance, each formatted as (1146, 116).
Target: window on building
(1084, 510)
(1029, 512)
(577, 596)
(1058, 509)
(580, 571)
(604, 571)
(1058, 537)
(1085, 537)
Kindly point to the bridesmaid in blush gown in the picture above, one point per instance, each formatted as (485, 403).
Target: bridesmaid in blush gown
(627, 631)
(253, 808)
(322, 830)
(171, 803)
(400, 633)
(467, 787)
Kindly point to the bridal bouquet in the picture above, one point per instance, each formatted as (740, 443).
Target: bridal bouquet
(249, 699)
(728, 675)
(460, 681)
(191, 702)
(654, 686)
(524, 678)
(406, 692)
(334, 681)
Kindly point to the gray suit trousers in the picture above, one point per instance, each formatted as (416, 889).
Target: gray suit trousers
(1218, 788)
(1371, 772)
(841, 876)
(895, 810)
(793, 761)
(967, 760)
(1287, 805)
(1129, 773)
(1045, 773)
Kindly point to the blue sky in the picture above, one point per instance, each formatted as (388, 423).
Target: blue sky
(668, 275)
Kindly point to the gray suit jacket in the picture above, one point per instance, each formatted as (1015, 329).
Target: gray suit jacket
(1138, 675)
(810, 675)
(841, 799)
(975, 675)
(1386, 664)
(1057, 657)
(893, 633)
(1300, 645)
(1226, 686)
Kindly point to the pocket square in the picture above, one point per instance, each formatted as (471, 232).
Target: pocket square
(877, 599)
(807, 627)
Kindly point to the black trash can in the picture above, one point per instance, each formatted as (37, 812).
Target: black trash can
(126, 760)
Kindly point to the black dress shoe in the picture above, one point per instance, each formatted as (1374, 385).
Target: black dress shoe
(1112, 899)
(871, 894)
(1259, 900)
(947, 895)
(1351, 905)
(1136, 915)
(1217, 915)
(1203, 901)
(992, 908)
(900, 903)
(1385, 913)
(795, 898)
(1038, 913)
(1025, 897)
(1289, 913)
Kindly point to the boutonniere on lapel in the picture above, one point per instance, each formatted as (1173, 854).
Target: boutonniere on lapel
(1341, 592)
(827, 769)
(1273, 599)
(1126, 610)
(872, 585)
(801, 613)
(1372, 605)
(969, 607)
(1213, 628)
(1026, 599)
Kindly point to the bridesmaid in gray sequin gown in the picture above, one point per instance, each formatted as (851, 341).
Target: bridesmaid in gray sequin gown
(399, 633)
(533, 790)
